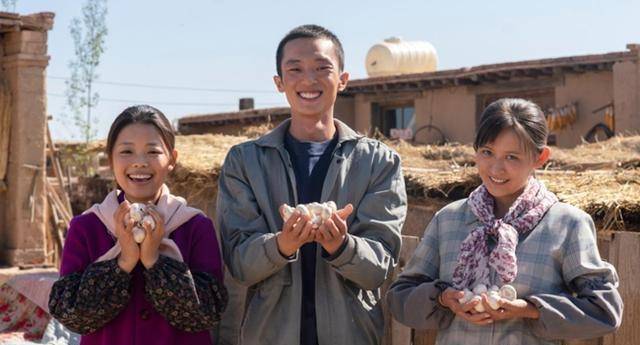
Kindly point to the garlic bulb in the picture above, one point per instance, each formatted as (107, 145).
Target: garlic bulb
(492, 299)
(138, 212)
(478, 307)
(318, 212)
(480, 289)
(138, 234)
(287, 211)
(494, 294)
(508, 292)
(149, 220)
(468, 295)
(303, 210)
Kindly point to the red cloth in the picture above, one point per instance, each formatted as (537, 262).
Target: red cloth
(20, 318)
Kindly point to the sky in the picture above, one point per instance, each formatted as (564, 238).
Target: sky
(201, 56)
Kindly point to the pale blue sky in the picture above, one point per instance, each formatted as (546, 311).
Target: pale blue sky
(230, 45)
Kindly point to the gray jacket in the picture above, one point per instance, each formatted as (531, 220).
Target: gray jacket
(256, 178)
(559, 270)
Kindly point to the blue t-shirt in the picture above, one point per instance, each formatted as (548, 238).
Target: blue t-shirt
(311, 162)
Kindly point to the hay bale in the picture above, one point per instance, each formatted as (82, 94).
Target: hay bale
(446, 173)
(611, 197)
(200, 158)
(440, 184)
(450, 155)
(617, 152)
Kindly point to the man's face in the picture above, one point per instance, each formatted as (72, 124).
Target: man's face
(311, 76)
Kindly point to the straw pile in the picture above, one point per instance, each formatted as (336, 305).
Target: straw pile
(610, 194)
(617, 152)
(611, 197)
(451, 155)
(199, 161)
(436, 173)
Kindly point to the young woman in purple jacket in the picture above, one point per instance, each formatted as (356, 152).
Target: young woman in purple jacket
(167, 289)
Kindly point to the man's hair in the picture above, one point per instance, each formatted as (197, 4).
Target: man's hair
(309, 31)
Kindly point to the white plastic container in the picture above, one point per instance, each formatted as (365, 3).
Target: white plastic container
(395, 56)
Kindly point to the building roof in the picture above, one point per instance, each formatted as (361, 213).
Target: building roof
(491, 73)
(42, 21)
(242, 116)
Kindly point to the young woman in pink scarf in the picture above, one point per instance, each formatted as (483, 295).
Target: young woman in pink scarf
(167, 289)
(510, 232)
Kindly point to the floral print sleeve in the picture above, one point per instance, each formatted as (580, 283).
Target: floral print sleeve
(189, 301)
(86, 301)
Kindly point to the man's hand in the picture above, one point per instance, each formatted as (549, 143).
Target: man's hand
(296, 231)
(333, 232)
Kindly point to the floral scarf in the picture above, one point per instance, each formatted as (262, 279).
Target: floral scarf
(474, 259)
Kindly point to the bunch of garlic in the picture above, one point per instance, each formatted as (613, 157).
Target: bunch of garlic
(493, 293)
(138, 212)
(317, 211)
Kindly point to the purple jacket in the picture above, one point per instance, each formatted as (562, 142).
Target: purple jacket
(139, 322)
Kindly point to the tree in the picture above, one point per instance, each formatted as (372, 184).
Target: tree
(88, 34)
(8, 5)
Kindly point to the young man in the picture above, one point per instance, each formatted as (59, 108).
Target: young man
(311, 284)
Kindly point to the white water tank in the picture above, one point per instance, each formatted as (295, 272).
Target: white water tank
(395, 56)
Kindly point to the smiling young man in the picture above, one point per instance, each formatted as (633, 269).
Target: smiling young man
(311, 284)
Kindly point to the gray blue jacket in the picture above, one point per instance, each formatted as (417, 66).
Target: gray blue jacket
(256, 178)
(559, 270)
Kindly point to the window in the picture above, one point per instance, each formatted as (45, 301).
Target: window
(395, 121)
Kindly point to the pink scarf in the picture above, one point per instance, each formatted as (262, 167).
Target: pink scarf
(524, 214)
(173, 209)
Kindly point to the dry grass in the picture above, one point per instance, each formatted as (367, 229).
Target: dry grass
(447, 156)
(446, 172)
(619, 151)
(610, 194)
(206, 152)
(200, 159)
(611, 197)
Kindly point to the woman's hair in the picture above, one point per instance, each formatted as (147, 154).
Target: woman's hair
(141, 114)
(524, 117)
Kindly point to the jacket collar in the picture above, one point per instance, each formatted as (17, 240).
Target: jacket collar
(275, 138)
(469, 216)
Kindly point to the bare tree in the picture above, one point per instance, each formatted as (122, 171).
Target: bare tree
(8, 5)
(88, 33)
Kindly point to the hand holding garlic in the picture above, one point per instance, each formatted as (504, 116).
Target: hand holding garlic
(297, 229)
(328, 224)
(316, 211)
(140, 215)
(494, 294)
(130, 253)
(153, 226)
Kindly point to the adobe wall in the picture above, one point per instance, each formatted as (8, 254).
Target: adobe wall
(591, 90)
(24, 60)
